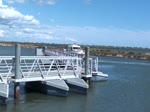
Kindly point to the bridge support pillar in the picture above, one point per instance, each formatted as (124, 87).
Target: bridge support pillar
(87, 52)
(17, 71)
(87, 49)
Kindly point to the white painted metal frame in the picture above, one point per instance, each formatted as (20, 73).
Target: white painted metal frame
(61, 53)
(93, 63)
(5, 68)
(40, 68)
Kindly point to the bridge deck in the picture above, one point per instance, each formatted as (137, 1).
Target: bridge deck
(37, 76)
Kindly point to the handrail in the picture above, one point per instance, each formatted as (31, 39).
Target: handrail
(39, 68)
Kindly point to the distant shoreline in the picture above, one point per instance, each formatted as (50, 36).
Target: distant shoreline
(108, 51)
(129, 55)
(122, 52)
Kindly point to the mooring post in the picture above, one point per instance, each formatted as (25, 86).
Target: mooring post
(87, 50)
(17, 71)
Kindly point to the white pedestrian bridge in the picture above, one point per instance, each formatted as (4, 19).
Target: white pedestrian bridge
(40, 68)
(53, 70)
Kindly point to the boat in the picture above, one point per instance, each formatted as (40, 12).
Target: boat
(74, 48)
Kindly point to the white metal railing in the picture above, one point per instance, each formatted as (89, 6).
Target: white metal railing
(94, 63)
(61, 53)
(93, 59)
(5, 68)
(40, 68)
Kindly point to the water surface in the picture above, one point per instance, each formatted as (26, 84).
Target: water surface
(126, 90)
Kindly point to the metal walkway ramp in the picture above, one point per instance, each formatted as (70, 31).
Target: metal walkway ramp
(40, 68)
(37, 68)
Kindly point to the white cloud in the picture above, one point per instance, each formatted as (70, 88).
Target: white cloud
(45, 2)
(79, 35)
(1, 33)
(28, 30)
(30, 34)
(40, 2)
(70, 39)
(10, 16)
(13, 1)
(102, 36)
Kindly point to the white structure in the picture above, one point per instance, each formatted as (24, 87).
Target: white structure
(74, 48)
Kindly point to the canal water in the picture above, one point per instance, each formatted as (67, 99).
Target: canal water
(126, 90)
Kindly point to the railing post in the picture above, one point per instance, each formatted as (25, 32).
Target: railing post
(87, 50)
(17, 71)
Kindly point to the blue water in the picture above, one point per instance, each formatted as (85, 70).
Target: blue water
(126, 90)
(10, 51)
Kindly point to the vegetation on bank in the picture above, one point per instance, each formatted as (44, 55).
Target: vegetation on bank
(124, 52)
(111, 53)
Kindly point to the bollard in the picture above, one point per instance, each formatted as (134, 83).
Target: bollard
(17, 71)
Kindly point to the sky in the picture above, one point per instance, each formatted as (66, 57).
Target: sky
(92, 22)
